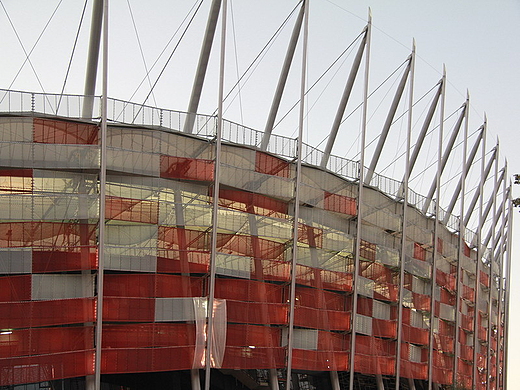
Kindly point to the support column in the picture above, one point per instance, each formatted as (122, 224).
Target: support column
(334, 379)
(102, 203)
(359, 208)
(216, 191)
(273, 379)
(462, 228)
(343, 102)
(436, 233)
(202, 66)
(93, 59)
(404, 224)
(480, 195)
(445, 157)
(283, 79)
(195, 379)
(292, 379)
(388, 123)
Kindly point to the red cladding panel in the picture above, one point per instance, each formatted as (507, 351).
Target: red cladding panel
(419, 252)
(271, 165)
(82, 258)
(128, 309)
(60, 132)
(148, 335)
(152, 285)
(46, 367)
(239, 335)
(340, 204)
(15, 288)
(248, 290)
(320, 360)
(321, 319)
(256, 313)
(47, 313)
(186, 168)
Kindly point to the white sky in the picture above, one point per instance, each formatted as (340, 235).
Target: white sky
(477, 40)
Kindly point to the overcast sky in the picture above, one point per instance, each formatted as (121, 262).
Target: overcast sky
(477, 40)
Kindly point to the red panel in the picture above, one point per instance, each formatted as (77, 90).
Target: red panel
(47, 313)
(256, 313)
(15, 288)
(386, 291)
(330, 341)
(374, 346)
(320, 360)
(274, 270)
(128, 309)
(419, 252)
(152, 285)
(384, 328)
(466, 352)
(319, 299)
(484, 278)
(40, 341)
(421, 301)
(46, 234)
(134, 210)
(248, 290)
(60, 132)
(340, 203)
(186, 168)
(253, 203)
(377, 272)
(468, 293)
(446, 280)
(46, 367)
(83, 258)
(466, 322)
(271, 165)
(321, 319)
(129, 360)
(380, 366)
(245, 358)
(148, 335)
(414, 370)
(415, 335)
(442, 376)
(315, 277)
(253, 335)
(183, 239)
(443, 343)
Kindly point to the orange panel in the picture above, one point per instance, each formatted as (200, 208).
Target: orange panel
(186, 168)
(340, 203)
(271, 165)
(133, 210)
(248, 290)
(152, 285)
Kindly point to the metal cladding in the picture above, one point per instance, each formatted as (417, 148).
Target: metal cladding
(158, 207)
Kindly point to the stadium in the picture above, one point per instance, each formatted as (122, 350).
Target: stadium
(145, 247)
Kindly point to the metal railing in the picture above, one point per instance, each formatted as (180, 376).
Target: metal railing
(121, 111)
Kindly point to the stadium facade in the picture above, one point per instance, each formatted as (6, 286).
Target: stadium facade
(118, 235)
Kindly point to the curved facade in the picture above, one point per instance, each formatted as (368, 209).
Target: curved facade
(414, 318)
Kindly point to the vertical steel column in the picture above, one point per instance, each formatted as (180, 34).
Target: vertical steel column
(508, 288)
(501, 276)
(216, 191)
(359, 207)
(388, 123)
(436, 231)
(202, 65)
(404, 223)
(290, 341)
(343, 102)
(467, 165)
(462, 228)
(445, 157)
(102, 203)
(282, 80)
(492, 281)
(93, 58)
(480, 191)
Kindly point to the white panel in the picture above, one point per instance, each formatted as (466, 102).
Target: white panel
(407, 298)
(16, 129)
(66, 156)
(118, 262)
(243, 158)
(174, 309)
(133, 162)
(232, 265)
(15, 261)
(363, 324)
(414, 353)
(62, 286)
(365, 286)
(417, 267)
(302, 338)
(16, 155)
(420, 286)
(381, 310)
(447, 312)
(468, 264)
(417, 320)
(387, 256)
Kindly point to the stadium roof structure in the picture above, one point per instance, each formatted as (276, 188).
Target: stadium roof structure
(136, 240)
